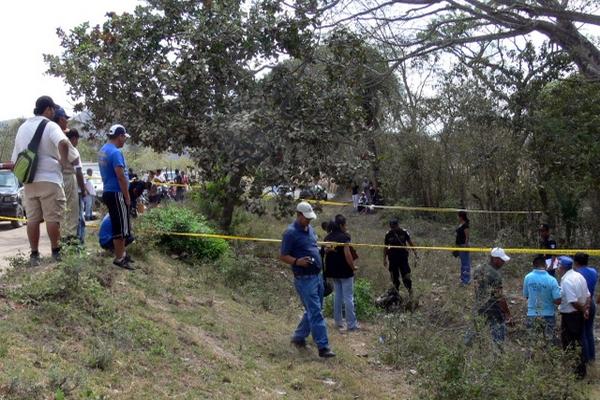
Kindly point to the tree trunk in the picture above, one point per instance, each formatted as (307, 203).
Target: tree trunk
(582, 51)
(230, 201)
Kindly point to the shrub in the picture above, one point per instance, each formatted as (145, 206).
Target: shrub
(364, 304)
(175, 218)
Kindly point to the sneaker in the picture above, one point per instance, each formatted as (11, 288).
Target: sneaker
(354, 329)
(129, 259)
(299, 344)
(325, 352)
(34, 259)
(123, 263)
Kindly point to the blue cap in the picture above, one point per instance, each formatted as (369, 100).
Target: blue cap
(566, 262)
(60, 112)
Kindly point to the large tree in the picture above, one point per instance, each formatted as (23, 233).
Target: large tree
(420, 27)
(185, 75)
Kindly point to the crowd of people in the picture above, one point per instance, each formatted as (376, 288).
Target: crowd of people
(555, 284)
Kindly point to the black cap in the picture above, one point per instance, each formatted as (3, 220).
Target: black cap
(42, 103)
(394, 222)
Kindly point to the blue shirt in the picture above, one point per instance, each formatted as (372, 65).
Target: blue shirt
(298, 242)
(591, 277)
(541, 289)
(110, 157)
(105, 236)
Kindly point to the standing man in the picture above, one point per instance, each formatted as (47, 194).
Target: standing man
(299, 249)
(91, 194)
(44, 197)
(574, 308)
(489, 299)
(75, 192)
(180, 188)
(116, 194)
(580, 264)
(542, 293)
(547, 242)
(398, 257)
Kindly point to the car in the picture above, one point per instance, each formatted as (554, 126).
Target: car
(96, 177)
(11, 197)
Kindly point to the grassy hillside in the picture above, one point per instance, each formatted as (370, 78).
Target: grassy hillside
(171, 330)
(220, 330)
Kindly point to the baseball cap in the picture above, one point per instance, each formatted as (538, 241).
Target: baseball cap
(394, 222)
(60, 112)
(118, 130)
(500, 253)
(566, 262)
(306, 209)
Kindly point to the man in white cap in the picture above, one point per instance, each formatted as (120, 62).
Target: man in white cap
(300, 250)
(116, 192)
(489, 299)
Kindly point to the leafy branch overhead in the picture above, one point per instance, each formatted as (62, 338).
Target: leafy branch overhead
(420, 27)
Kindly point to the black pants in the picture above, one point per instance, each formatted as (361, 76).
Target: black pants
(571, 332)
(400, 267)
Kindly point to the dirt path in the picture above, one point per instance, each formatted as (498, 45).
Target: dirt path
(13, 240)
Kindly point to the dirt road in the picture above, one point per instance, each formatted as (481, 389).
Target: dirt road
(13, 240)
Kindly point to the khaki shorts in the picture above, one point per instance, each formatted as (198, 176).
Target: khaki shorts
(44, 200)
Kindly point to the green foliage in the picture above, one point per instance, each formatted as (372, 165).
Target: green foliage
(446, 369)
(175, 218)
(364, 301)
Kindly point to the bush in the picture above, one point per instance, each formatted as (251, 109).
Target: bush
(175, 218)
(364, 303)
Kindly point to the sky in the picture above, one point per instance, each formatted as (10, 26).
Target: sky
(28, 30)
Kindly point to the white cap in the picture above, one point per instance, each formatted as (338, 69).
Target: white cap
(499, 253)
(306, 210)
(118, 129)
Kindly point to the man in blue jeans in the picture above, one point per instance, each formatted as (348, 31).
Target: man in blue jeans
(300, 250)
(543, 294)
(580, 264)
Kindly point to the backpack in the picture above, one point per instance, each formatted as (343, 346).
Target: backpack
(26, 164)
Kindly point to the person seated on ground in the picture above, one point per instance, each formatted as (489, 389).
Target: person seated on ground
(105, 235)
(363, 203)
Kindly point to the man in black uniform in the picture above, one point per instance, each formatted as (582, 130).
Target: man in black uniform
(547, 242)
(398, 257)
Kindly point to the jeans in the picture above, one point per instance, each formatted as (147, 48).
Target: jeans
(546, 324)
(310, 290)
(344, 296)
(355, 202)
(81, 225)
(89, 203)
(465, 266)
(498, 331)
(589, 349)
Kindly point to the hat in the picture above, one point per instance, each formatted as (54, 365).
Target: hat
(500, 253)
(42, 103)
(394, 222)
(306, 209)
(60, 112)
(118, 130)
(566, 262)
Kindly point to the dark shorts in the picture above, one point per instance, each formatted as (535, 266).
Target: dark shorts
(119, 214)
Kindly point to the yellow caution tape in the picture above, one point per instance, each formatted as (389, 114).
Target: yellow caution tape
(426, 209)
(13, 219)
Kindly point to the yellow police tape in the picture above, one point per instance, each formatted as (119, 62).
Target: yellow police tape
(427, 209)
(510, 250)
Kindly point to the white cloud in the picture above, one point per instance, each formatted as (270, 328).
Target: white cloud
(28, 30)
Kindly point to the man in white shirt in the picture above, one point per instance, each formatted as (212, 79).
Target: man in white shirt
(574, 308)
(70, 222)
(91, 194)
(44, 197)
